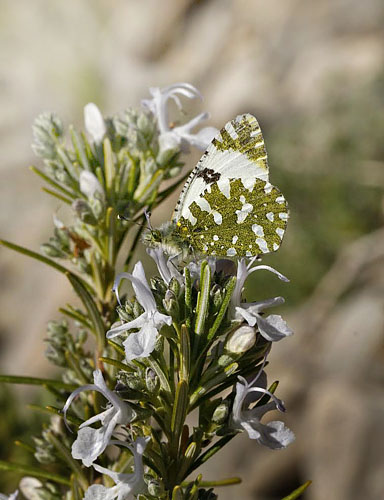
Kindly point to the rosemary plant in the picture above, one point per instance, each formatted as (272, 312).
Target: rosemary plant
(184, 343)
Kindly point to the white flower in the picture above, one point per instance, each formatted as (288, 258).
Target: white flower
(140, 344)
(275, 434)
(273, 327)
(125, 484)
(12, 496)
(30, 487)
(94, 123)
(181, 136)
(165, 266)
(90, 442)
(90, 185)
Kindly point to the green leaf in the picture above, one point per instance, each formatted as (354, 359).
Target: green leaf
(57, 195)
(211, 451)
(180, 409)
(116, 346)
(223, 308)
(91, 308)
(79, 149)
(118, 364)
(188, 297)
(13, 379)
(41, 258)
(53, 183)
(109, 167)
(185, 353)
(111, 231)
(203, 298)
(298, 492)
(27, 470)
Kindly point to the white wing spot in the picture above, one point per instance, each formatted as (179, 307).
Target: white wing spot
(243, 213)
(262, 245)
(231, 130)
(270, 216)
(242, 199)
(280, 232)
(205, 248)
(203, 204)
(234, 239)
(275, 246)
(283, 216)
(267, 187)
(231, 252)
(280, 199)
(212, 243)
(224, 186)
(215, 237)
(248, 253)
(258, 230)
(217, 217)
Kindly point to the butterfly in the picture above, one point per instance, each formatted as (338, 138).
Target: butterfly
(228, 207)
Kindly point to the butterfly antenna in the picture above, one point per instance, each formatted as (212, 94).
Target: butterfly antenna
(148, 214)
(122, 217)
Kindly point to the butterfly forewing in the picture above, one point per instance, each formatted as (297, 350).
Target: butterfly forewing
(237, 152)
(251, 221)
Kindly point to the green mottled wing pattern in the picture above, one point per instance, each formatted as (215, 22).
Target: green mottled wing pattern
(248, 222)
(237, 152)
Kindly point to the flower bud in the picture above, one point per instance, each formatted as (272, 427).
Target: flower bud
(84, 212)
(90, 185)
(221, 413)
(51, 251)
(171, 304)
(152, 381)
(155, 488)
(241, 340)
(94, 122)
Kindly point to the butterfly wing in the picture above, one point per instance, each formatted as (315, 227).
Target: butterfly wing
(237, 152)
(250, 222)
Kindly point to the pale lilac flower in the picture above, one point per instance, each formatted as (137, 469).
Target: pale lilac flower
(31, 487)
(165, 266)
(275, 434)
(140, 344)
(126, 485)
(12, 496)
(90, 185)
(181, 136)
(272, 327)
(90, 442)
(94, 123)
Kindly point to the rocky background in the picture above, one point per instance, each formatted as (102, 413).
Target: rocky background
(312, 72)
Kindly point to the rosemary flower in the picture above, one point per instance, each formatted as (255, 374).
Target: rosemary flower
(140, 344)
(179, 137)
(90, 442)
(125, 484)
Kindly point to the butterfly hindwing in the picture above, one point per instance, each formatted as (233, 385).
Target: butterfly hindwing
(237, 152)
(249, 222)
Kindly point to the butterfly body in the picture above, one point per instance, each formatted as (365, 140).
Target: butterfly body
(227, 207)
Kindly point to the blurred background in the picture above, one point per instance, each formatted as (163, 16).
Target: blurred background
(313, 75)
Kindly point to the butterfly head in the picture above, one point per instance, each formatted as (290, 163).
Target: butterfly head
(168, 238)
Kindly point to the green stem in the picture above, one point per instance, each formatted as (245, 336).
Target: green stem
(27, 470)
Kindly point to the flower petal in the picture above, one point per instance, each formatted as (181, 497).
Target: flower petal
(275, 435)
(90, 443)
(273, 328)
(140, 344)
(100, 492)
(135, 323)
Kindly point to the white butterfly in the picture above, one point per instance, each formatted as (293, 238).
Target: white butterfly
(227, 206)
